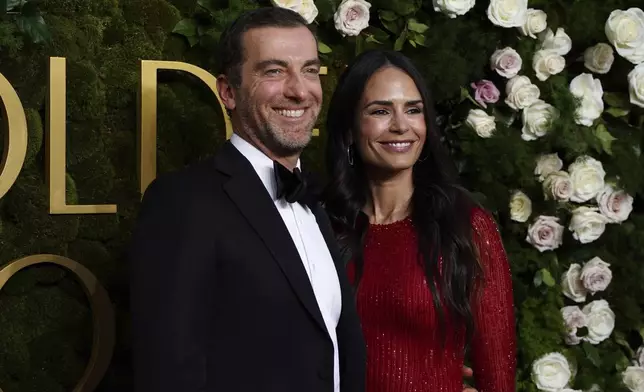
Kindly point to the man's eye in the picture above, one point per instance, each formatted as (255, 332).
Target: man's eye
(273, 71)
(314, 71)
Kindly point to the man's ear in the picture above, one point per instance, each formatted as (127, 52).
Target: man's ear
(226, 92)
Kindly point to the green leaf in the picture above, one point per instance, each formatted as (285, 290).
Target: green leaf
(11, 4)
(621, 340)
(35, 27)
(359, 44)
(207, 5)
(592, 353)
(412, 42)
(618, 100)
(186, 27)
(547, 277)
(387, 15)
(371, 38)
(604, 137)
(420, 40)
(618, 112)
(537, 279)
(324, 48)
(414, 25)
(377, 33)
(400, 41)
(391, 26)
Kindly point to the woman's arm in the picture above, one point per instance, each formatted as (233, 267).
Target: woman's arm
(494, 340)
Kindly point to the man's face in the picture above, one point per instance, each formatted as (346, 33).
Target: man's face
(280, 95)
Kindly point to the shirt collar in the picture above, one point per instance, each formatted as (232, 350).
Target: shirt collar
(262, 164)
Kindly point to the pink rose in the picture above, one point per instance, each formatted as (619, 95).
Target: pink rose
(485, 92)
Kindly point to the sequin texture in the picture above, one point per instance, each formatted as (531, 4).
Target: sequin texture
(404, 352)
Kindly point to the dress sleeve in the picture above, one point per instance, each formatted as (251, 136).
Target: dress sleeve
(494, 341)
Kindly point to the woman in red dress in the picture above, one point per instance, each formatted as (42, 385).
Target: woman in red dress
(433, 284)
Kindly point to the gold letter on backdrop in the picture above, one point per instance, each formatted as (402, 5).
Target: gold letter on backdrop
(102, 314)
(15, 139)
(148, 112)
(57, 146)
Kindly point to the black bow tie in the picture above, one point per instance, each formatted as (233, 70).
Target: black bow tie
(295, 186)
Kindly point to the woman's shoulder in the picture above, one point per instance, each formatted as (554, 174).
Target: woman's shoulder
(482, 219)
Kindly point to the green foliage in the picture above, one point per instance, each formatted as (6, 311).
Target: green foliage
(44, 316)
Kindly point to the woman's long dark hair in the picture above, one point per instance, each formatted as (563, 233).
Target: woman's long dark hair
(440, 206)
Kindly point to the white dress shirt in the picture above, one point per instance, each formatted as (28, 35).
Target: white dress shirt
(308, 239)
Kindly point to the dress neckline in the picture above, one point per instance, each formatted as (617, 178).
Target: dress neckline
(407, 221)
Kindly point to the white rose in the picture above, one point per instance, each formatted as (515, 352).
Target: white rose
(636, 85)
(546, 164)
(536, 22)
(599, 58)
(601, 321)
(594, 388)
(520, 207)
(545, 233)
(571, 390)
(571, 284)
(590, 91)
(453, 8)
(482, 123)
(351, 17)
(558, 42)
(573, 318)
(547, 63)
(508, 13)
(596, 275)
(587, 224)
(521, 93)
(557, 186)
(625, 31)
(639, 356)
(537, 120)
(587, 176)
(551, 372)
(306, 8)
(506, 62)
(616, 205)
(633, 378)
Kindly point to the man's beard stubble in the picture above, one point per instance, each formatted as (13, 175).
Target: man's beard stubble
(274, 138)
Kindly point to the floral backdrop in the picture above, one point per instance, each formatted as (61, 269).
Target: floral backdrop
(541, 103)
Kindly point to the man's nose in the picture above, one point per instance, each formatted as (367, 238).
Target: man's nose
(295, 88)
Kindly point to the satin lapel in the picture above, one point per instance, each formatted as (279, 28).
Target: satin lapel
(247, 191)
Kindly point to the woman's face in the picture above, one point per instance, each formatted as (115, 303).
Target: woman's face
(391, 122)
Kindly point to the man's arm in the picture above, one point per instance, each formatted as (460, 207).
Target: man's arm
(167, 287)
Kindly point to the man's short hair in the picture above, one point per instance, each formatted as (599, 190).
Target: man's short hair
(231, 46)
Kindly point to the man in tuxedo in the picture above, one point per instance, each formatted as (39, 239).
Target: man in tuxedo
(237, 284)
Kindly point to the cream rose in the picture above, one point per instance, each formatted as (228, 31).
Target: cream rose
(557, 186)
(508, 13)
(633, 378)
(587, 224)
(616, 205)
(636, 85)
(545, 233)
(547, 63)
(521, 93)
(537, 120)
(600, 321)
(546, 164)
(587, 176)
(599, 58)
(639, 356)
(482, 123)
(506, 62)
(351, 17)
(558, 42)
(625, 31)
(536, 22)
(453, 8)
(551, 372)
(520, 207)
(306, 8)
(571, 284)
(596, 275)
(573, 318)
(590, 91)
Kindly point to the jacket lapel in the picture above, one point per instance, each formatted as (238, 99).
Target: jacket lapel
(247, 191)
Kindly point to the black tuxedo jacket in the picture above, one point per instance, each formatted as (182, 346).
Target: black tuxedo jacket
(220, 300)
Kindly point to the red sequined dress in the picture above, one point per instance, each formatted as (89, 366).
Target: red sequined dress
(400, 326)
